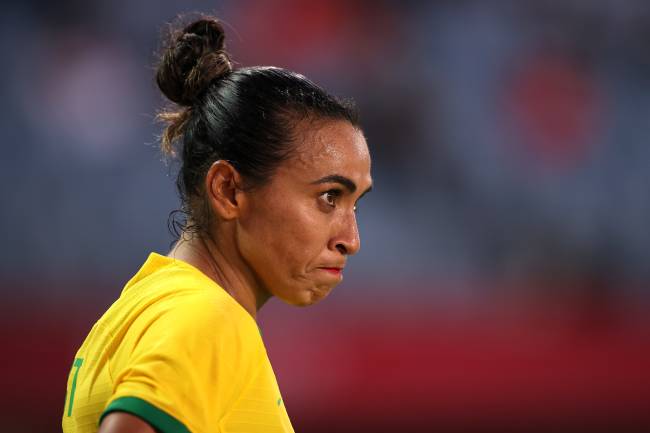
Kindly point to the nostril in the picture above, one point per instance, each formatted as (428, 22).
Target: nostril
(342, 249)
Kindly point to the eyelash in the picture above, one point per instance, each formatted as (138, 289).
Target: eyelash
(335, 194)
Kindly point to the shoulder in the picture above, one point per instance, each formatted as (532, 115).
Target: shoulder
(171, 306)
(185, 299)
(211, 313)
(198, 332)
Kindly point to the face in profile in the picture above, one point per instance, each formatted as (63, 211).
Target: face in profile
(300, 227)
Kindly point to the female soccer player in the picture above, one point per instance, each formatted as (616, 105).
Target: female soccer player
(271, 170)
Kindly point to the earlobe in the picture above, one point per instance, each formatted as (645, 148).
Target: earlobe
(222, 186)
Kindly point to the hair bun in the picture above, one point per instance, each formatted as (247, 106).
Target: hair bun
(194, 57)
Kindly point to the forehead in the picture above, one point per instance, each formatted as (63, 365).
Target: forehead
(330, 147)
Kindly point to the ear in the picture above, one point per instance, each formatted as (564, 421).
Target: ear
(223, 187)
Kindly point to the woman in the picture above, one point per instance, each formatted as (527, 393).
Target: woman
(271, 170)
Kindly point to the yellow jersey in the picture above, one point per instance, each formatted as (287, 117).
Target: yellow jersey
(179, 352)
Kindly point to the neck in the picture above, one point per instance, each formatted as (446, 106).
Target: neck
(219, 259)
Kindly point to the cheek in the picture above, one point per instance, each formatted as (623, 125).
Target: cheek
(283, 239)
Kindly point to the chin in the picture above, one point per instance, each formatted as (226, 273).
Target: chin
(307, 297)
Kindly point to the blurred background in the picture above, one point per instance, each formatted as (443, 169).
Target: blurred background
(504, 277)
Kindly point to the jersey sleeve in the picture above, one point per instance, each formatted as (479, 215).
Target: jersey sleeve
(186, 366)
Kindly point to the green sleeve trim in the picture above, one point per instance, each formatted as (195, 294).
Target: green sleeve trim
(158, 419)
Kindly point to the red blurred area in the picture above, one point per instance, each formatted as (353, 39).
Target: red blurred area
(391, 367)
(414, 369)
(556, 106)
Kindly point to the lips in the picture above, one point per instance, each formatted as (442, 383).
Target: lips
(335, 271)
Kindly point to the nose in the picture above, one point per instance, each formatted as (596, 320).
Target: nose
(346, 239)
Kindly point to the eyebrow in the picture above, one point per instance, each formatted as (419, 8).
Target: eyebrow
(346, 182)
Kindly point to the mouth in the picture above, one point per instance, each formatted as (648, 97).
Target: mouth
(333, 271)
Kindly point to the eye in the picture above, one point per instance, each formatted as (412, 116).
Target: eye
(330, 197)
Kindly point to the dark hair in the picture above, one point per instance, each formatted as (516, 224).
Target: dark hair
(246, 116)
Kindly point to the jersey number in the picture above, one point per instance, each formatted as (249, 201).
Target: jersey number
(75, 366)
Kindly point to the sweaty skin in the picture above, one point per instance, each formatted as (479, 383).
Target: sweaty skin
(293, 230)
(289, 238)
